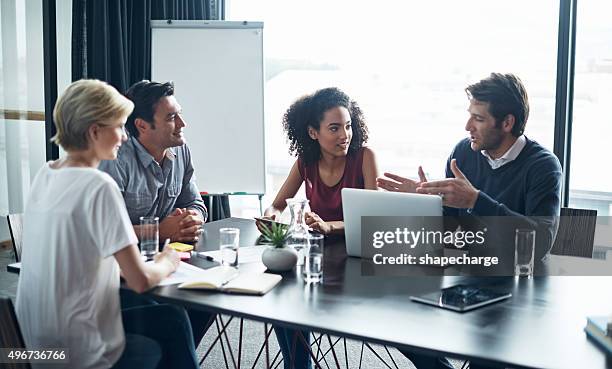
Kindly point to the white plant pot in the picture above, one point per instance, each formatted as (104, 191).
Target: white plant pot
(279, 259)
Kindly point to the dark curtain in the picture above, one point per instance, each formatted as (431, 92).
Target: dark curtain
(111, 41)
(182, 9)
(220, 208)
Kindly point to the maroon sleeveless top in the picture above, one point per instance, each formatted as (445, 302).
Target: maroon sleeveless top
(327, 201)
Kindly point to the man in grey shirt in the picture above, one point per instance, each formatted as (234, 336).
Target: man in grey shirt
(155, 175)
(154, 169)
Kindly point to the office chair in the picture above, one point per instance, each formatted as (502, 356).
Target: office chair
(576, 233)
(15, 224)
(10, 334)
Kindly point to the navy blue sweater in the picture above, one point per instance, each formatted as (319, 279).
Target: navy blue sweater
(529, 185)
(527, 188)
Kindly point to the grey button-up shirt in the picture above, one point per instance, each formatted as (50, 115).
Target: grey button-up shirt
(150, 189)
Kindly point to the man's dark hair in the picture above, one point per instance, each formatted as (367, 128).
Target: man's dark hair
(145, 95)
(505, 94)
(308, 111)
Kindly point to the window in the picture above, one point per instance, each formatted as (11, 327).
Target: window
(22, 128)
(406, 64)
(591, 183)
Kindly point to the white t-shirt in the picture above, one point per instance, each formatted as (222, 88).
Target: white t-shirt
(68, 293)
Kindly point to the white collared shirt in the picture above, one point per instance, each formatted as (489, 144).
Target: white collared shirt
(512, 153)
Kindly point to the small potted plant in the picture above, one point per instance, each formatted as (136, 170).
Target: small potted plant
(278, 257)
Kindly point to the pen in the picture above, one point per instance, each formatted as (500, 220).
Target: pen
(204, 256)
(166, 243)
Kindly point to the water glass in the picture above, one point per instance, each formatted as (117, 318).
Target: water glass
(228, 244)
(313, 266)
(149, 236)
(524, 249)
(204, 215)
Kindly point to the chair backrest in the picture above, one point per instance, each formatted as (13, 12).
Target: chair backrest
(576, 233)
(15, 223)
(10, 334)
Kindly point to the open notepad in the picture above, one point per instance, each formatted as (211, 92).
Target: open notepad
(226, 279)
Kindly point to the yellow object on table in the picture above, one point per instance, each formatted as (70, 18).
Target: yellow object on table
(181, 247)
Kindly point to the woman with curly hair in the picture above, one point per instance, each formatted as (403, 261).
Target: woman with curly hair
(326, 131)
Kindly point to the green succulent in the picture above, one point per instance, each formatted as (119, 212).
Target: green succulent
(275, 234)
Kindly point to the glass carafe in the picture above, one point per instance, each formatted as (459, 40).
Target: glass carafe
(298, 230)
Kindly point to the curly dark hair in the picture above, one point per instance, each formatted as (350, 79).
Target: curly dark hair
(308, 111)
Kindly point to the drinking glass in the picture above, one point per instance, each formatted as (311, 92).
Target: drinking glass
(313, 267)
(149, 236)
(524, 249)
(228, 244)
(204, 215)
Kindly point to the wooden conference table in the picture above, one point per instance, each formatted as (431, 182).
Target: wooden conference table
(540, 326)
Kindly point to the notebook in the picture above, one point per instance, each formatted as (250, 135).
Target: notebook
(230, 280)
(599, 328)
(183, 273)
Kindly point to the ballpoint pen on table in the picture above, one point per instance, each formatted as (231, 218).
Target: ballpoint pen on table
(204, 256)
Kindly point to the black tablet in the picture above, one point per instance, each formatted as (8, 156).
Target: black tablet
(269, 222)
(462, 297)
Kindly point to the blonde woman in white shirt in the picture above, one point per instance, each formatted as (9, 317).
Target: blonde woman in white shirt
(77, 236)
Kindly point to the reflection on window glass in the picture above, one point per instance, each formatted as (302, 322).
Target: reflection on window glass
(591, 184)
(407, 64)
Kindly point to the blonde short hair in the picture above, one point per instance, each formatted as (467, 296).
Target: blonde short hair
(84, 103)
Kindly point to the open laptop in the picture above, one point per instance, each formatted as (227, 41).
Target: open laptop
(357, 203)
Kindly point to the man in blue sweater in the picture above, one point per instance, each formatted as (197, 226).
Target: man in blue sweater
(496, 171)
